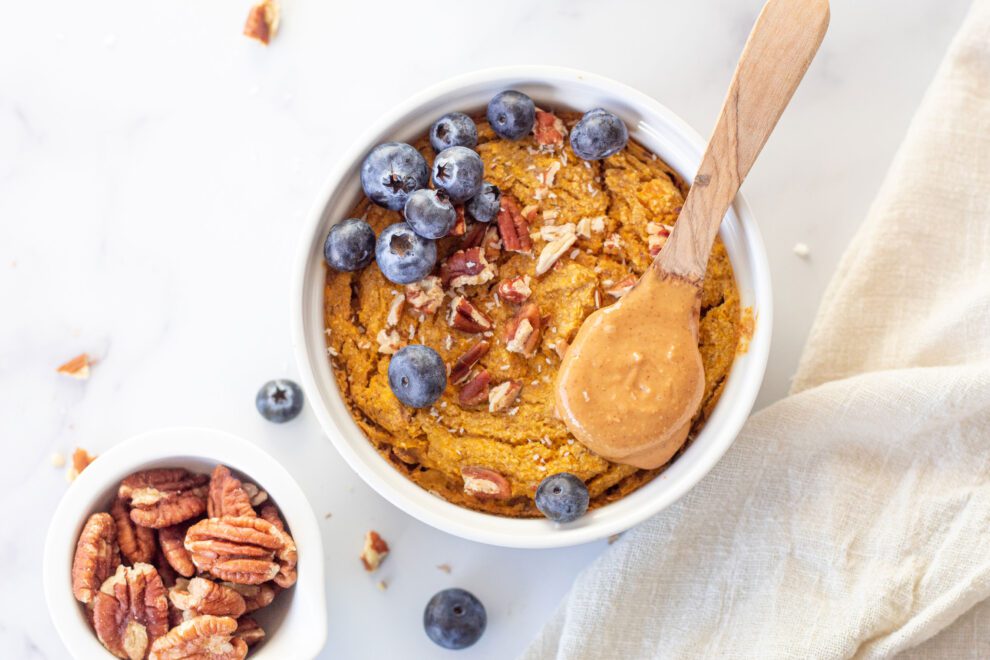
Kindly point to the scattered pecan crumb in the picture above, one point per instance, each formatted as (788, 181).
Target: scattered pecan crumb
(262, 21)
(382, 585)
(77, 367)
(80, 460)
(445, 568)
(58, 459)
(615, 537)
(327, 516)
(374, 552)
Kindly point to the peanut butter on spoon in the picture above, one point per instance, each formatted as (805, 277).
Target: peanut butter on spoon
(632, 380)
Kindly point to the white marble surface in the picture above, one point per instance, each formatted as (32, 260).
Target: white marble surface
(155, 166)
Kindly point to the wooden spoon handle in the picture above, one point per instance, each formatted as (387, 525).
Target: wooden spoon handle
(777, 54)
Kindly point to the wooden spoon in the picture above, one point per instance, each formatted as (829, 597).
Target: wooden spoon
(632, 381)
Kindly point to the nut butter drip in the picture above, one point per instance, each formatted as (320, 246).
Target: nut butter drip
(633, 379)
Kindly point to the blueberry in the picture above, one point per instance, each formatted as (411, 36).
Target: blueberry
(403, 256)
(562, 497)
(417, 375)
(458, 172)
(454, 619)
(279, 400)
(430, 213)
(484, 206)
(598, 135)
(391, 171)
(350, 245)
(511, 114)
(454, 129)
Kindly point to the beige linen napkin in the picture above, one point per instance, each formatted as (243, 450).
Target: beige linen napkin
(851, 519)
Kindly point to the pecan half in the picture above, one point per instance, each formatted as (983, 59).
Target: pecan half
(255, 596)
(466, 317)
(515, 289)
(249, 630)
(204, 637)
(622, 287)
(475, 390)
(270, 513)
(77, 367)
(165, 570)
(227, 496)
(549, 130)
(553, 251)
(172, 540)
(522, 332)
(262, 21)
(467, 267)
(201, 596)
(485, 484)
(244, 550)
(425, 296)
(164, 496)
(131, 611)
(513, 227)
(136, 543)
(502, 396)
(96, 557)
(374, 552)
(462, 367)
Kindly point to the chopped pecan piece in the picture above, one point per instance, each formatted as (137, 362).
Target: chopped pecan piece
(164, 496)
(462, 367)
(136, 543)
(466, 267)
(77, 367)
(485, 484)
(515, 289)
(491, 243)
(255, 596)
(249, 630)
(374, 552)
(553, 251)
(131, 611)
(460, 225)
(425, 296)
(613, 244)
(201, 596)
(475, 390)
(522, 332)
(656, 236)
(395, 311)
(388, 341)
(474, 236)
(513, 227)
(244, 550)
(550, 174)
(227, 496)
(549, 130)
(466, 317)
(262, 21)
(622, 287)
(502, 396)
(203, 637)
(96, 558)
(553, 232)
(172, 540)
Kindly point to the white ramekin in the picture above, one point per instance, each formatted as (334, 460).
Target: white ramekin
(652, 125)
(295, 624)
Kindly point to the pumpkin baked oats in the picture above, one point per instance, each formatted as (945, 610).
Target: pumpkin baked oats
(506, 297)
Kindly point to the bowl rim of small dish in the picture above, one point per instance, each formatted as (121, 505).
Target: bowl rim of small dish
(659, 130)
(173, 447)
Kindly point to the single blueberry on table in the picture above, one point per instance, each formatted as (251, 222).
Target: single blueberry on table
(511, 114)
(350, 245)
(404, 256)
(391, 172)
(279, 400)
(458, 171)
(484, 206)
(598, 135)
(454, 129)
(430, 213)
(417, 375)
(454, 619)
(562, 497)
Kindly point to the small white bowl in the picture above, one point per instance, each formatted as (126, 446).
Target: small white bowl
(650, 124)
(295, 624)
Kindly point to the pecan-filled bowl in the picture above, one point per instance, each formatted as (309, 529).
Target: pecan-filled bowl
(588, 227)
(268, 619)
